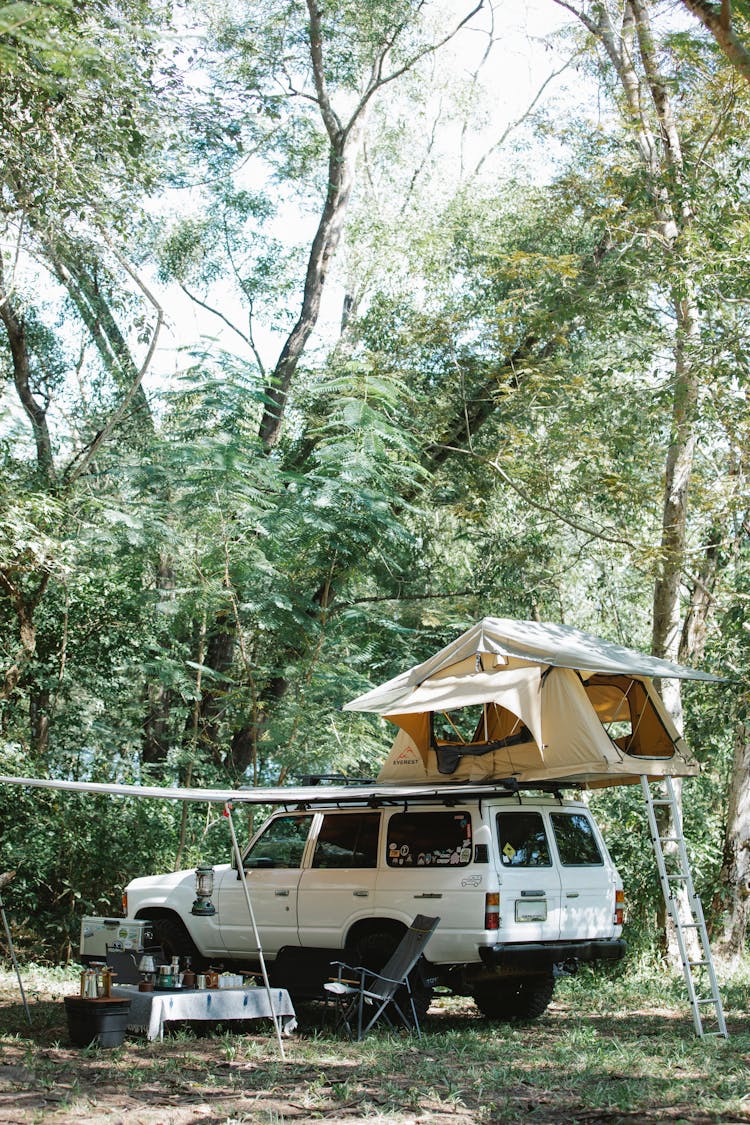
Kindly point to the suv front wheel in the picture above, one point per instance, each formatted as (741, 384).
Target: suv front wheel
(175, 941)
(515, 998)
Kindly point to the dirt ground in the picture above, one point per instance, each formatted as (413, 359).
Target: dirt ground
(206, 1076)
(459, 1072)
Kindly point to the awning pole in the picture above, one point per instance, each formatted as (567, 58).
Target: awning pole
(256, 935)
(6, 878)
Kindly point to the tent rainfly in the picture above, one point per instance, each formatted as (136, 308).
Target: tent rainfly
(535, 702)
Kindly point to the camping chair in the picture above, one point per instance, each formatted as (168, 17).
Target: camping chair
(356, 989)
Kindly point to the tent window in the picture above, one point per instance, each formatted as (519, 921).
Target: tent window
(629, 717)
(464, 725)
(576, 843)
(431, 839)
(347, 840)
(522, 839)
(473, 731)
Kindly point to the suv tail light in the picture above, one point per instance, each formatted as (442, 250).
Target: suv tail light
(125, 903)
(619, 907)
(492, 911)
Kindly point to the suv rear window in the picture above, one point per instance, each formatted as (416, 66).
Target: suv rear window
(348, 840)
(429, 839)
(576, 842)
(523, 841)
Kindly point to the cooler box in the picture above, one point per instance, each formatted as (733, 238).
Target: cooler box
(98, 935)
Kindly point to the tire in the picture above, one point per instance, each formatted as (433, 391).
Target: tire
(171, 935)
(515, 998)
(373, 949)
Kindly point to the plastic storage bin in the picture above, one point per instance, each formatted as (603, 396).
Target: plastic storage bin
(102, 1021)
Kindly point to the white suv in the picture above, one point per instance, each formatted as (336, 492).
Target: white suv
(524, 888)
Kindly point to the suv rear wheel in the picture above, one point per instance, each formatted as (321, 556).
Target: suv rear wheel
(515, 998)
(373, 947)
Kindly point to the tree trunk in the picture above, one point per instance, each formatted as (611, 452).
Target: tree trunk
(156, 724)
(34, 410)
(732, 899)
(74, 274)
(648, 114)
(341, 161)
(344, 138)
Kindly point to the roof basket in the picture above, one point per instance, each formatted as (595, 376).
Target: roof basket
(331, 779)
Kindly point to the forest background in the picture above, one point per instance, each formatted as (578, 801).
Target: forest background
(327, 330)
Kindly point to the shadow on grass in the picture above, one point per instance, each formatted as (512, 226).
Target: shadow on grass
(642, 1066)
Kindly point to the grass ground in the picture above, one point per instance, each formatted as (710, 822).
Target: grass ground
(609, 1049)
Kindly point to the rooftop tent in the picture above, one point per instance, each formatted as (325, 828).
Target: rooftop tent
(531, 701)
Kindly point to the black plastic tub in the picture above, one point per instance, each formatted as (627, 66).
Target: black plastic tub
(103, 1022)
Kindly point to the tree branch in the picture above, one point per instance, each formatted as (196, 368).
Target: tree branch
(523, 117)
(606, 536)
(330, 118)
(214, 312)
(719, 22)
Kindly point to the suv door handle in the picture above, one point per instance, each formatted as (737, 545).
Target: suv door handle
(361, 894)
(430, 894)
(282, 893)
(572, 894)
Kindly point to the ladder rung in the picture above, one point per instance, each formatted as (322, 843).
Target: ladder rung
(677, 909)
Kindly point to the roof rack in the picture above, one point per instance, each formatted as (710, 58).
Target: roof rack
(359, 795)
(331, 779)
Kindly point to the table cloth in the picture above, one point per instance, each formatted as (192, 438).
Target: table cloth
(149, 1011)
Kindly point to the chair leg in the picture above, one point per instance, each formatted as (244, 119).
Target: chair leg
(346, 1015)
(342, 1011)
(383, 1010)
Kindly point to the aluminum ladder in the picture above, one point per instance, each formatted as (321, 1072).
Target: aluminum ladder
(685, 911)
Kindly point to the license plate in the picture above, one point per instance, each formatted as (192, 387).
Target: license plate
(534, 910)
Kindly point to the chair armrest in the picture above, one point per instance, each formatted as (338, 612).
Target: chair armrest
(357, 971)
(388, 980)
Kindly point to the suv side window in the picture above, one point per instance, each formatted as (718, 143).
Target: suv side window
(523, 841)
(348, 840)
(429, 839)
(282, 843)
(575, 840)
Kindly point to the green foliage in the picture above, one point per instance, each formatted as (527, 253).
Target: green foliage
(73, 855)
(487, 434)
